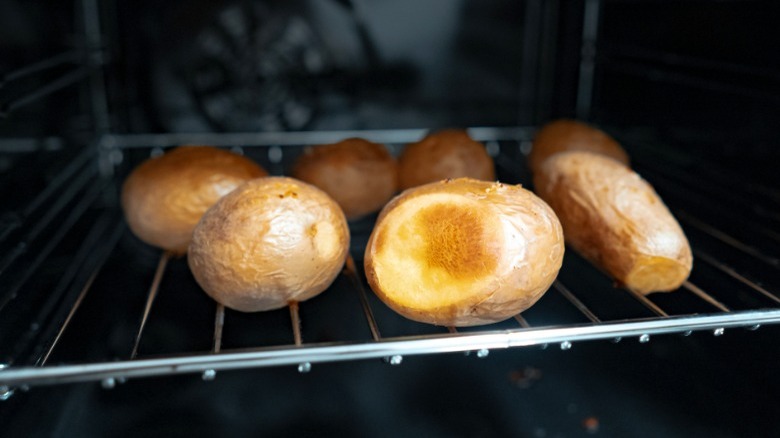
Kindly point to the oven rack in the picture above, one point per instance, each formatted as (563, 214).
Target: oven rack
(741, 261)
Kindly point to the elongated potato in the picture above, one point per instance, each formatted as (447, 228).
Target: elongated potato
(615, 219)
(570, 135)
(464, 252)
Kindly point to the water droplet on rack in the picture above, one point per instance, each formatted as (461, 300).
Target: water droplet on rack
(688, 333)
(304, 367)
(483, 353)
(238, 150)
(396, 359)
(525, 147)
(108, 383)
(156, 152)
(754, 327)
(565, 345)
(718, 331)
(208, 375)
(644, 338)
(616, 340)
(544, 346)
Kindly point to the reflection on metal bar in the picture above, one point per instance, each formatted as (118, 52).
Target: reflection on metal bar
(295, 317)
(523, 323)
(575, 301)
(727, 239)
(86, 288)
(76, 213)
(410, 345)
(301, 138)
(72, 312)
(88, 248)
(351, 272)
(219, 323)
(166, 255)
(51, 62)
(735, 275)
(647, 303)
(705, 296)
(53, 86)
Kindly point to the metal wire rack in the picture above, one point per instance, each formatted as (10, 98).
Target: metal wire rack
(734, 282)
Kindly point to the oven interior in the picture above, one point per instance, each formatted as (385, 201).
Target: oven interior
(90, 89)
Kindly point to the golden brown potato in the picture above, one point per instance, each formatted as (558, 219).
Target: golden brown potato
(359, 175)
(571, 135)
(164, 197)
(615, 219)
(269, 242)
(444, 154)
(463, 252)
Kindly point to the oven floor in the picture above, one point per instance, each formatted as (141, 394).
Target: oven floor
(672, 386)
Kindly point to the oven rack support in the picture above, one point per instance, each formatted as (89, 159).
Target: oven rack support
(387, 347)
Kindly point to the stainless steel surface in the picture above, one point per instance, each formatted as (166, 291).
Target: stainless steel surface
(405, 346)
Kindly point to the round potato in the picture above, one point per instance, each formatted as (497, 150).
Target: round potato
(463, 252)
(444, 154)
(269, 242)
(615, 219)
(571, 135)
(359, 175)
(164, 197)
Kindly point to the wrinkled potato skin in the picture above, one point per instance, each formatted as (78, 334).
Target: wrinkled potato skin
(463, 252)
(358, 174)
(164, 197)
(271, 241)
(449, 153)
(616, 220)
(570, 135)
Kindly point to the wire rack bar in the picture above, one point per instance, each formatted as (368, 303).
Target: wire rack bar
(351, 271)
(219, 324)
(415, 345)
(63, 81)
(70, 56)
(68, 223)
(727, 239)
(158, 274)
(563, 290)
(522, 321)
(300, 138)
(101, 261)
(701, 255)
(647, 303)
(696, 290)
(295, 318)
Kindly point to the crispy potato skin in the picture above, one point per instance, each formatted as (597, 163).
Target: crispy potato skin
(271, 241)
(359, 175)
(463, 252)
(571, 135)
(444, 154)
(164, 197)
(615, 219)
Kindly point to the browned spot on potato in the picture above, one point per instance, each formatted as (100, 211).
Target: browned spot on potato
(454, 241)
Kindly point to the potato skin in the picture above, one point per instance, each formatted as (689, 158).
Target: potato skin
(271, 241)
(359, 175)
(450, 153)
(615, 219)
(463, 252)
(164, 197)
(570, 135)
